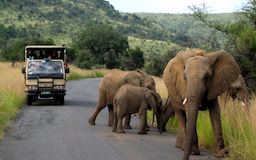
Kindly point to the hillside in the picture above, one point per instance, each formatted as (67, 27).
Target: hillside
(179, 21)
(62, 19)
(185, 25)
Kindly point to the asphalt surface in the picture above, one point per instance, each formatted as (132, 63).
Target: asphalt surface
(47, 131)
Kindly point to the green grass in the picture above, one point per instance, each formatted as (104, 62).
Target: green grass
(74, 76)
(10, 103)
(239, 130)
(204, 131)
(150, 46)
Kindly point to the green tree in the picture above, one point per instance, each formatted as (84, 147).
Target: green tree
(84, 59)
(156, 63)
(105, 43)
(14, 50)
(134, 59)
(240, 37)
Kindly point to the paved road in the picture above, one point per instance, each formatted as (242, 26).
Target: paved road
(47, 131)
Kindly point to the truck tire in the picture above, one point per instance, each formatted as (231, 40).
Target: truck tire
(30, 99)
(61, 100)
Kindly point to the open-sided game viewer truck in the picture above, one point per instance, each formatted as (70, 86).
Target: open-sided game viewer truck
(45, 73)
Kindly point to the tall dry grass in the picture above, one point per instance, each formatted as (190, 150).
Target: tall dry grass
(239, 129)
(12, 95)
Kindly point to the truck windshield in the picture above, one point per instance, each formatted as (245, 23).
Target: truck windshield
(45, 67)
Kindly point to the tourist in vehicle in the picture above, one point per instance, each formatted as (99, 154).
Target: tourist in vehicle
(32, 55)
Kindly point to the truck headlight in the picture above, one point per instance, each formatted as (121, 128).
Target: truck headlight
(60, 87)
(31, 87)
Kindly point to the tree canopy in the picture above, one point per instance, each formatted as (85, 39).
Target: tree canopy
(105, 43)
(240, 37)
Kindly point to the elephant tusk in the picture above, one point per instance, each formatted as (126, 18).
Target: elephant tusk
(185, 101)
(243, 103)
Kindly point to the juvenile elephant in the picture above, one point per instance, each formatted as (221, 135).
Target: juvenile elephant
(131, 99)
(111, 82)
(194, 80)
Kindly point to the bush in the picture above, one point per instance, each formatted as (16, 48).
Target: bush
(84, 59)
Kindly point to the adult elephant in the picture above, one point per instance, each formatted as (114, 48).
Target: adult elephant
(194, 80)
(111, 82)
(238, 90)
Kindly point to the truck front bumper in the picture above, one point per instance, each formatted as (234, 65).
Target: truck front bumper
(46, 93)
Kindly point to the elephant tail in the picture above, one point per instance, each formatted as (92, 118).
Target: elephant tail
(115, 106)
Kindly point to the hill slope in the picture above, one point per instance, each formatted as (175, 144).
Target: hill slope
(62, 19)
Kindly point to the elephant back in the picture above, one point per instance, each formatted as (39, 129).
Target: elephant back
(111, 82)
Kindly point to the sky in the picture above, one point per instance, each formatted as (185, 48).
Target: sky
(175, 6)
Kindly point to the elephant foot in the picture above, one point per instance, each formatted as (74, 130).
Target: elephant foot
(127, 126)
(120, 131)
(178, 146)
(222, 154)
(163, 129)
(91, 122)
(142, 132)
(147, 128)
(195, 151)
(110, 125)
(179, 143)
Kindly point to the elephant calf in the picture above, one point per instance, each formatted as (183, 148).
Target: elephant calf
(131, 99)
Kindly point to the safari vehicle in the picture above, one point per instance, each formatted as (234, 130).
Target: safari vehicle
(45, 73)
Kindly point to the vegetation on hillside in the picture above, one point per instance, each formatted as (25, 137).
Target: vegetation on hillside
(61, 19)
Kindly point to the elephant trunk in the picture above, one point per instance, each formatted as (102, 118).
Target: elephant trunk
(160, 121)
(191, 130)
(195, 92)
(159, 117)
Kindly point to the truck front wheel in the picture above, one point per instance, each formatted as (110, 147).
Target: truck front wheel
(30, 99)
(61, 100)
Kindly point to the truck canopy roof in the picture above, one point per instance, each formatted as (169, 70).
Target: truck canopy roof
(44, 47)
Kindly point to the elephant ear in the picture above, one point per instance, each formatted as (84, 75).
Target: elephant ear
(133, 78)
(225, 72)
(176, 79)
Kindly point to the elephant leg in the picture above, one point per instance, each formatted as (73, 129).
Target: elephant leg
(111, 115)
(119, 124)
(214, 111)
(101, 104)
(181, 138)
(168, 113)
(115, 124)
(127, 122)
(143, 123)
